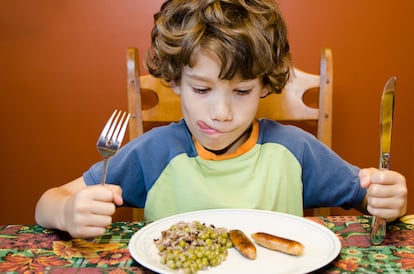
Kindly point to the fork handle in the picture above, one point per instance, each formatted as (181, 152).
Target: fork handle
(104, 171)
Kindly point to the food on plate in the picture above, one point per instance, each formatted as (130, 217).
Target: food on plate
(407, 219)
(193, 246)
(242, 243)
(278, 243)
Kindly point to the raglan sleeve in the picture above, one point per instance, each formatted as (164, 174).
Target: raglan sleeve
(328, 180)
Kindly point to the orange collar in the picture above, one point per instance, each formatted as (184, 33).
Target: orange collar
(246, 146)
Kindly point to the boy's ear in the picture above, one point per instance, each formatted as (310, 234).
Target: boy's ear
(266, 90)
(175, 86)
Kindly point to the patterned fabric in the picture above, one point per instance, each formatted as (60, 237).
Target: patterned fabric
(33, 249)
(394, 255)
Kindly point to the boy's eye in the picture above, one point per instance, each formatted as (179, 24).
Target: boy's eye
(243, 92)
(238, 91)
(200, 90)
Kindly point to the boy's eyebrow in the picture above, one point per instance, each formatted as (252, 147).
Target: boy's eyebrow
(207, 79)
(197, 77)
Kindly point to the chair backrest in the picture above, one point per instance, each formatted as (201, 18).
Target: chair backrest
(291, 106)
(150, 100)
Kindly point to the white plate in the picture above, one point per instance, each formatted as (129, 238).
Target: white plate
(321, 245)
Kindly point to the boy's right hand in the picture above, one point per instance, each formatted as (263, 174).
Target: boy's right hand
(89, 211)
(83, 211)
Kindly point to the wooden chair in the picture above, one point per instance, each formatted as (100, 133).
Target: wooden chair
(152, 102)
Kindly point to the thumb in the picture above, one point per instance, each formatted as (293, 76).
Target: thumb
(365, 176)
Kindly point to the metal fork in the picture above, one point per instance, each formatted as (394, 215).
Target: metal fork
(111, 138)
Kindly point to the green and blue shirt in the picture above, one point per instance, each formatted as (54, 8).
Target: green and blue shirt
(280, 168)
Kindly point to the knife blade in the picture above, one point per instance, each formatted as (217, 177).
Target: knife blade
(378, 225)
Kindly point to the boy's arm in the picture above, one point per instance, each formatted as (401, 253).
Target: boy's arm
(83, 211)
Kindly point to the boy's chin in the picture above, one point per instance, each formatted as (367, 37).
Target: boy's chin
(219, 151)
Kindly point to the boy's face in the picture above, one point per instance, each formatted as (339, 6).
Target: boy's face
(217, 112)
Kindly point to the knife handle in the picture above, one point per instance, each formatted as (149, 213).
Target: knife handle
(385, 161)
(379, 225)
(378, 230)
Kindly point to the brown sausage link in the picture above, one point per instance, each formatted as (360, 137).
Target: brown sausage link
(243, 244)
(278, 243)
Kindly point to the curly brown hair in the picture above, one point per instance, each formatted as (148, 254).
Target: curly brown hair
(248, 36)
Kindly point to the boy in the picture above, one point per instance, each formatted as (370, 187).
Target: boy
(221, 57)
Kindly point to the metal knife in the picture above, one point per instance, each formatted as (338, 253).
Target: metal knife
(378, 226)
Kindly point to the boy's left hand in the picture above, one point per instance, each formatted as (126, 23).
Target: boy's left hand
(386, 193)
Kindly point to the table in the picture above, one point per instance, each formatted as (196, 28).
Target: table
(33, 249)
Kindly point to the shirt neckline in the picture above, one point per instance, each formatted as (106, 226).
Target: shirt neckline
(245, 147)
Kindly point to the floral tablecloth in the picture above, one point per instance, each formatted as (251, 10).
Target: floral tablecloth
(33, 249)
(394, 255)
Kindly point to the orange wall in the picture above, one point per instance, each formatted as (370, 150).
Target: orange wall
(62, 72)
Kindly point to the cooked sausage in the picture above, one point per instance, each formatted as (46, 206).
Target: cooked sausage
(278, 243)
(243, 244)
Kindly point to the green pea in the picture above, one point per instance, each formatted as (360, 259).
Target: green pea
(171, 264)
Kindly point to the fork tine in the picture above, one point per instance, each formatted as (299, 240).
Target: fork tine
(107, 125)
(118, 128)
(122, 130)
(109, 135)
(105, 130)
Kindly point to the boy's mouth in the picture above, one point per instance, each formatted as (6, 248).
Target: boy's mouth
(207, 129)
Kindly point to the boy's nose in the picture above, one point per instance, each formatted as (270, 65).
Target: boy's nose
(221, 109)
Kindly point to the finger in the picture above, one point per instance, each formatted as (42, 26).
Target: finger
(87, 214)
(93, 220)
(83, 209)
(104, 193)
(106, 208)
(88, 225)
(87, 231)
(386, 197)
(107, 192)
(389, 209)
(387, 177)
(389, 202)
(94, 193)
(386, 213)
(380, 191)
(96, 220)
